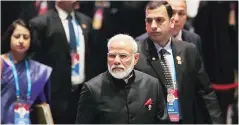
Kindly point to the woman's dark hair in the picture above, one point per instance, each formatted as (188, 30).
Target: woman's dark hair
(155, 4)
(6, 39)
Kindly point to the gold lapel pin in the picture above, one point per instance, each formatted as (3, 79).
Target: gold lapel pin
(83, 26)
(179, 62)
(178, 58)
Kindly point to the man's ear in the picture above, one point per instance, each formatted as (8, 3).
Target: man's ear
(171, 21)
(136, 57)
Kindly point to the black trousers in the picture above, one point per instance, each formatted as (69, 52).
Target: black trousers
(73, 105)
(69, 115)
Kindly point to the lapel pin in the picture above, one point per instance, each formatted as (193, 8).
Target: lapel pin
(179, 62)
(153, 58)
(149, 103)
(149, 107)
(178, 58)
(83, 26)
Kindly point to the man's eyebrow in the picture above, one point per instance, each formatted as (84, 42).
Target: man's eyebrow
(154, 17)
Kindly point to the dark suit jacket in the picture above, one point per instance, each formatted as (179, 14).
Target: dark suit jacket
(107, 100)
(52, 49)
(191, 79)
(186, 36)
(192, 38)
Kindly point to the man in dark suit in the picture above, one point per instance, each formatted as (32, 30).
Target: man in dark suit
(121, 95)
(177, 65)
(178, 31)
(61, 38)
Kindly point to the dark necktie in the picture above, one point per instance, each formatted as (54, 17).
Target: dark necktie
(173, 109)
(72, 34)
(165, 67)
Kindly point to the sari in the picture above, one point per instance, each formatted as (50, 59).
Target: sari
(40, 88)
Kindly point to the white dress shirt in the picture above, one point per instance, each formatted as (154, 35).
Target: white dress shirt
(79, 34)
(169, 59)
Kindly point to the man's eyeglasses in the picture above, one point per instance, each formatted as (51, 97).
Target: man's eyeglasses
(122, 56)
(158, 20)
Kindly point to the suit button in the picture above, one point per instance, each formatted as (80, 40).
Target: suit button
(131, 116)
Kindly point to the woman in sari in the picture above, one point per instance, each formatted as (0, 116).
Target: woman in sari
(24, 82)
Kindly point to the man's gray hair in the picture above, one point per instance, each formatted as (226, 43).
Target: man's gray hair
(124, 37)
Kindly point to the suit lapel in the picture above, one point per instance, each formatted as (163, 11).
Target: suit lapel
(153, 59)
(183, 35)
(81, 23)
(176, 49)
(186, 37)
(85, 29)
(58, 24)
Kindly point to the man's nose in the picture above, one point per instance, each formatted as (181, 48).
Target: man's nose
(117, 60)
(176, 17)
(154, 24)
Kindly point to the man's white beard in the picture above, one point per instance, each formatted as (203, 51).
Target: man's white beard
(122, 74)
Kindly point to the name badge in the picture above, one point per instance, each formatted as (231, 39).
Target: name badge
(21, 113)
(75, 58)
(172, 105)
